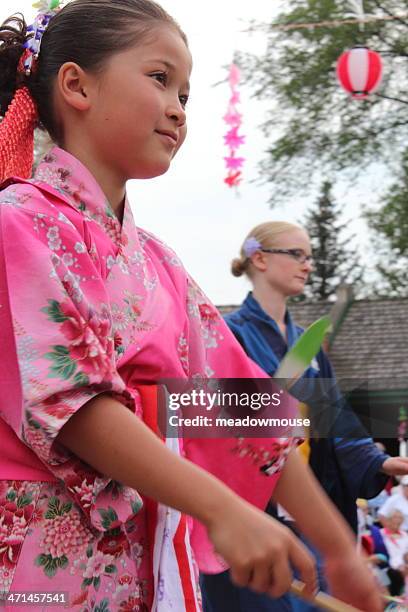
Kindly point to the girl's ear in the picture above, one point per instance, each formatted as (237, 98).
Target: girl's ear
(73, 85)
(259, 261)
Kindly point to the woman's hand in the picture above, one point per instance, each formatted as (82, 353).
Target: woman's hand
(352, 581)
(395, 466)
(260, 550)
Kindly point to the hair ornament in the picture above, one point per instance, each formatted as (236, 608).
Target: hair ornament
(46, 11)
(17, 136)
(251, 245)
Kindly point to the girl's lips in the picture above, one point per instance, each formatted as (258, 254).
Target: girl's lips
(170, 136)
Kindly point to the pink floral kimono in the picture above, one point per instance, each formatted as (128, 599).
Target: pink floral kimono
(90, 306)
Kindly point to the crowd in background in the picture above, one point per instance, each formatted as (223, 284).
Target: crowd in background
(383, 536)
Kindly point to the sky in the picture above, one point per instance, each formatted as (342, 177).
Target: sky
(190, 207)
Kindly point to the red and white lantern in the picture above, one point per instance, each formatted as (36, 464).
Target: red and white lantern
(359, 71)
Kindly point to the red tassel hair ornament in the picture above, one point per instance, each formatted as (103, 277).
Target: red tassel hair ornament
(17, 136)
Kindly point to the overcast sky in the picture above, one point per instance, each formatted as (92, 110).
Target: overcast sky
(190, 207)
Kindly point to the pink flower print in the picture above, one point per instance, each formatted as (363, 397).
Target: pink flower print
(13, 527)
(96, 565)
(77, 600)
(114, 544)
(207, 313)
(65, 535)
(119, 318)
(137, 553)
(37, 439)
(37, 517)
(64, 174)
(54, 240)
(54, 406)
(71, 286)
(113, 229)
(117, 340)
(134, 307)
(85, 493)
(6, 577)
(49, 158)
(91, 346)
(4, 486)
(133, 604)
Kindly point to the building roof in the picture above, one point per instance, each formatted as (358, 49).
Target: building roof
(372, 342)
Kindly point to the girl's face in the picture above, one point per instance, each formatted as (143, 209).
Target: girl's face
(282, 271)
(137, 121)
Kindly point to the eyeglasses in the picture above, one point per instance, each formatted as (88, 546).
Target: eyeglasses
(298, 254)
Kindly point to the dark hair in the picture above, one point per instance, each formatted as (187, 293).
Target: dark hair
(86, 32)
(13, 34)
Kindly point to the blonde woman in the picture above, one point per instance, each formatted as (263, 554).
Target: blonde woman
(276, 257)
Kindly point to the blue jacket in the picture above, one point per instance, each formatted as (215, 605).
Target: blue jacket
(345, 461)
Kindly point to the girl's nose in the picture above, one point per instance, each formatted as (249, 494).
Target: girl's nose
(177, 113)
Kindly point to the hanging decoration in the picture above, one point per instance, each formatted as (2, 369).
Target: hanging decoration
(359, 71)
(357, 10)
(333, 23)
(232, 138)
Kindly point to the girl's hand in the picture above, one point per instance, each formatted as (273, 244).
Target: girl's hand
(260, 550)
(352, 581)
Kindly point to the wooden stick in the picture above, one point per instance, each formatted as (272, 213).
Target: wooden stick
(324, 601)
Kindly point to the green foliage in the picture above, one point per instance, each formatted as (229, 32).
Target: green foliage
(50, 564)
(335, 262)
(62, 365)
(109, 516)
(313, 125)
(54, 312)
(390, 224)
(55, 508)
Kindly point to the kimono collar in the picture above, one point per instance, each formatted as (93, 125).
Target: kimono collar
(69, 176)
(255, 311)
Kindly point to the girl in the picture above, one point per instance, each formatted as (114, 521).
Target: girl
(94, 311)
(277, 259)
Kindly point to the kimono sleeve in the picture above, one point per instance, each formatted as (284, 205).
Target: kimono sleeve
(56, 336)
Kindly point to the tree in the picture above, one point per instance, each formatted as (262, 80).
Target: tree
(391, 223)
(334, 261)
(313, 125)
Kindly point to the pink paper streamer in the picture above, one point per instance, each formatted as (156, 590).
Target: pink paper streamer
(233, 139)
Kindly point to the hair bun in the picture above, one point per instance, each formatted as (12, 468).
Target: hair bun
(237, 267)
(13, 35)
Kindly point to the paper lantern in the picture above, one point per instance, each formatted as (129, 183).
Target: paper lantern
(359, 71)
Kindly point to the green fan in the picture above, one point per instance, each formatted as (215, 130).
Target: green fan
(303, 351)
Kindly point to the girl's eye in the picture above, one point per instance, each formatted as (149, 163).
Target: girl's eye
(183, 100)
(161, 77)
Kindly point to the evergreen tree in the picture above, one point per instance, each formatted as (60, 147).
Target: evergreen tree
(334, 261)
